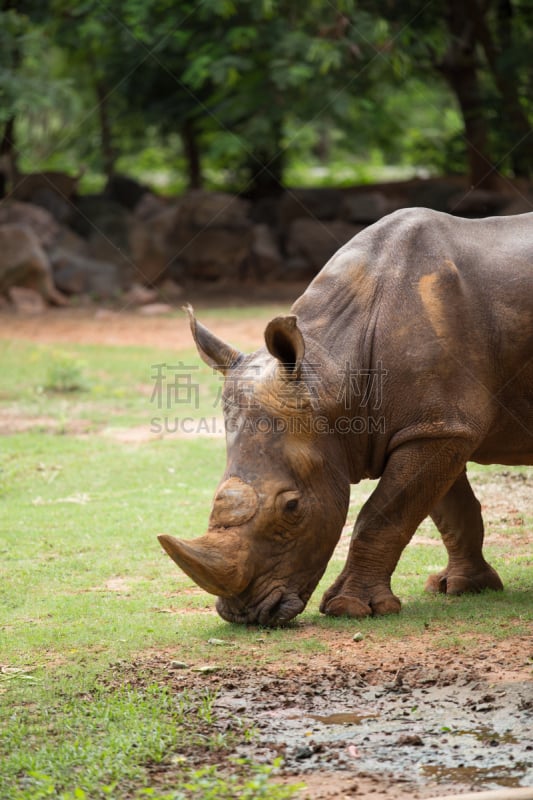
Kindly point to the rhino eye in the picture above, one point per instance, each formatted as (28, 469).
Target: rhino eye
(291, 505)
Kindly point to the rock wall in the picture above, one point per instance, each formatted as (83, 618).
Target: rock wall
(103, 245)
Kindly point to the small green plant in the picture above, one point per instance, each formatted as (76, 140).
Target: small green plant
(249, 782)
(105, 743)
(65, 373)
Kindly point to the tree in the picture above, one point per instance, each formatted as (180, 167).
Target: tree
(481, 50)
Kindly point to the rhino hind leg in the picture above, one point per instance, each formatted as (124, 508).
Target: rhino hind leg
(458, 518)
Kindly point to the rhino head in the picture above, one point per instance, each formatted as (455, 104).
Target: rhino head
(280, 507)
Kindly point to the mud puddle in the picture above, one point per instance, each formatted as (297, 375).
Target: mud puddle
(423, 731)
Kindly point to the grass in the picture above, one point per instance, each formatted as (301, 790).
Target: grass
(84, 584)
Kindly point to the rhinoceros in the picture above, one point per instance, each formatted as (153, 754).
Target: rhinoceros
(409, 354)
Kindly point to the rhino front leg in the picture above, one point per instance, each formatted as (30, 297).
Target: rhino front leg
(458, 518)
(418, 474)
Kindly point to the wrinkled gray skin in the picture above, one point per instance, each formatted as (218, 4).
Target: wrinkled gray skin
(410, 354)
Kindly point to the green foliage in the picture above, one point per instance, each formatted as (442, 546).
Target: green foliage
(106, 742)
(249, 89)
(65, 373)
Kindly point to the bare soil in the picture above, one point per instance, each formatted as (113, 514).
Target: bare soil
(363, 720)
(360, 720)
(129, 325)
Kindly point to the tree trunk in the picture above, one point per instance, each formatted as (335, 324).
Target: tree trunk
(8, 157)
(7, 145)
(265, 165)
(106, 134)
(459, 67)
(504, 73)
(191, 152)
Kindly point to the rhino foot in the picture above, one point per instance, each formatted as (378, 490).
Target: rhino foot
(451, 582)
(345, 605)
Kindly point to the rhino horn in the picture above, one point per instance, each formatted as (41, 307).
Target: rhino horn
(219, 567)
(214, 351)
(284, 340)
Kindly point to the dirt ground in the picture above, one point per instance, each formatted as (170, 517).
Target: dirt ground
(405, 721)
(119, 325)
(360, 720)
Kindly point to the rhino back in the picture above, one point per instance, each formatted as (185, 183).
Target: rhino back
(445, 306)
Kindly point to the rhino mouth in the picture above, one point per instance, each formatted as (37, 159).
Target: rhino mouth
(275, 610)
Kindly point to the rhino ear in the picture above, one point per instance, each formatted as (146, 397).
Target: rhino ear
(214, 351)
(285, 342)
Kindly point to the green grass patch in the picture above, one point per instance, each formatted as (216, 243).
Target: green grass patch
(111, 744)
(84, 583)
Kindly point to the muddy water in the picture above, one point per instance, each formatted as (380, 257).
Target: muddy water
(467, 733)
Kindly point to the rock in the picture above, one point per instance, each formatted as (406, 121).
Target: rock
(58, 206)
(106, 226)
(518, 205)
(301, 753)
(297, 268)
(410, 740)
(213, 253)
(154, 309)
(138, 295)
(358, 637)
(98, 213)
(125, 190)
(317, 241)
(25, 187)
(365, 207)
(26, 301)
(169, 291)
(207, 669)
(477, 203)
(265, 256)
(434, 193)
(150, 205)
(77, 274)
(38, 220)
(152, 248)
(24, 263)
(199, 209)
(203, 236)
(309, 203)
(67, 239)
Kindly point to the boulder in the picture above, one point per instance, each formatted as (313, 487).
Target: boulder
(365, 207)
(78, 274)
(211, 254)
(155, 309)
(125, 190)
(264, 258)
(200, 209)
(212, 237)
(38, 220)
(139, 295)
(477, 203)
(315, 204)
(315, 241)
(26, 301)
(59, 207)
(433, 193)
(152, 250)
(150, 205)
(23, 262)
(169, 291)
(106, 226)
(518, 205)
